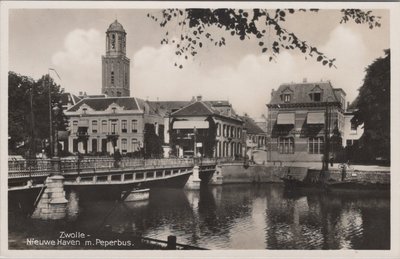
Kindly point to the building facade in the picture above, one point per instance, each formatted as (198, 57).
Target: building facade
(115, 64)
(99, 125)
(352, 133)
(207, 129)
(300, 118)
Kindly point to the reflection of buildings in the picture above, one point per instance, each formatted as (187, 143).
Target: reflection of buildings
(297, 118)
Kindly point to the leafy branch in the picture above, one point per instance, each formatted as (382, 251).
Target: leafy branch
(262, 24)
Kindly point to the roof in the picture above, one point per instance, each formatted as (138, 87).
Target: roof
(69, 99)
(116, 26)
(301, 92)
(101, 104)
(166, 107)
(251, 126)
(206, 108)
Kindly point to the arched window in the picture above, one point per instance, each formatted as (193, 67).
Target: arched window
(112, 77)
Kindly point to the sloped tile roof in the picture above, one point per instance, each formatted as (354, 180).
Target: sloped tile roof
(206, 108)
(194, 109)
(166, 107)
(301, 92)
(251, 126)
(101, 104)
(68, 98)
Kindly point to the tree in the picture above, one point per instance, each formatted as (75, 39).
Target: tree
(262, 24)
(152, 142)
(28, 112)
(373, 110)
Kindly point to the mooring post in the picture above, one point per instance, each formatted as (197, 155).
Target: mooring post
(171, 245)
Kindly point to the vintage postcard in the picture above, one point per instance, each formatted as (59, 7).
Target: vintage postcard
(201, 129)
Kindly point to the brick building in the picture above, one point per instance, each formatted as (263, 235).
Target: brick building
(298, 115)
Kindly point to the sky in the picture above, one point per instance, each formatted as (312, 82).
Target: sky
(72, 41)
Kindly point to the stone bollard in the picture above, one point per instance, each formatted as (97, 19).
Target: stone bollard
(194, 180)
(171, 243)
(52, 204)
(217, 178)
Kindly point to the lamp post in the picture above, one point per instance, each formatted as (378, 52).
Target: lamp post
(50, 110)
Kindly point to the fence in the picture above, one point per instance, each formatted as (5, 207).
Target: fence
(98, 163)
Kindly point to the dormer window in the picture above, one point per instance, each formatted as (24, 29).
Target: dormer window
(286, 98)
(316, 97)
(316, 94)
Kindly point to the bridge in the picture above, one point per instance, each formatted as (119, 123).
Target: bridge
(25, 174)
(47, 179)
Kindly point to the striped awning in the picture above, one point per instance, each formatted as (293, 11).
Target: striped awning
(315, 118)
(285, 119)
(191, 125)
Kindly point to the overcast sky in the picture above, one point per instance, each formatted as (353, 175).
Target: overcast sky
(72, 41)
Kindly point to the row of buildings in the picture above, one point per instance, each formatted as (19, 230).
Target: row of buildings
(300, 117)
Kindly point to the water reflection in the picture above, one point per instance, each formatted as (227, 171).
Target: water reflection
(243, 217)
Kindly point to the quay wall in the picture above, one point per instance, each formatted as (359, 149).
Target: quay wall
(237, 173)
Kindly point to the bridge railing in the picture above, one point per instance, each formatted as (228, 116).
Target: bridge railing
(47, 165)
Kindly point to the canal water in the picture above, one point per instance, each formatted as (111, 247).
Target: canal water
(245, 216)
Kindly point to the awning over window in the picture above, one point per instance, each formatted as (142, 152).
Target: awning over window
(315, 118)
(191, 125)
(285, 119)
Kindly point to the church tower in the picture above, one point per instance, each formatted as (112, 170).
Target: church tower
(115, 64)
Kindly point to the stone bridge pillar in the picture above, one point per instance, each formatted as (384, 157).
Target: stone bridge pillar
(217, 178)
(194, 180)
(52, 204)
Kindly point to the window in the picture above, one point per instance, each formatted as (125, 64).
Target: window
(135, 145)
(104, 126)
(113, 41)
(74, 126)
(124, 144)
(94, 126)
(75, 145)
(286, 98)
(134, 126)
(224, 131)
(316, 145)
(124, 128)
(316, 97)
(114, 127)
(218, 129)
(286, 145)
(353, 126)
(84, 110)
(112, 77)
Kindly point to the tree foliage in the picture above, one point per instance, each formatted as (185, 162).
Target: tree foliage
(152, 142)
(373, 109)
(27, 130)
(267, 26)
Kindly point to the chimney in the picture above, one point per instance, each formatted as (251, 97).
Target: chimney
(80, 93)
(272, 92)
(305, 80)
(198, 98)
